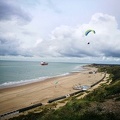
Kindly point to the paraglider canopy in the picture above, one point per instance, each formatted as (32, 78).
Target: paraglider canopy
(88, 31)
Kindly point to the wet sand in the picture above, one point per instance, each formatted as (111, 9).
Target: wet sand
(15, 98)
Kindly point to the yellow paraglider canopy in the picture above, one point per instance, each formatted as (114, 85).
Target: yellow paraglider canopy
(88, 31)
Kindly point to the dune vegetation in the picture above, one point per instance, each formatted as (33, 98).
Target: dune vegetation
(102, 103)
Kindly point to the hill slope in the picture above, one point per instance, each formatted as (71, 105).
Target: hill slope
(101, 104)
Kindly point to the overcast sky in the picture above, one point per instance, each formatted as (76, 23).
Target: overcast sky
(55, 30)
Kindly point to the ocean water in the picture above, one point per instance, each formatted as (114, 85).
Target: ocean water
(14, 73)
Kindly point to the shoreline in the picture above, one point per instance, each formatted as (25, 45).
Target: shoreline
(14, 98)
(31, 81)
(38, 81)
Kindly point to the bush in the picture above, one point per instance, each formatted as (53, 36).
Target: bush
(114, 71)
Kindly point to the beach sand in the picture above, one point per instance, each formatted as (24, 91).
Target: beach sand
(15, 98)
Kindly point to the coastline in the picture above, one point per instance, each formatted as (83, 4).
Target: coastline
(21, 73)
(14, 98)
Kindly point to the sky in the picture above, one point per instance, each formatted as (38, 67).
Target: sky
(54, 30)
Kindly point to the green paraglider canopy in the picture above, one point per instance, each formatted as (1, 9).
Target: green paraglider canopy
(88, 31)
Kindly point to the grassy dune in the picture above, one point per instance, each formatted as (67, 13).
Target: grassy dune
(102, 103)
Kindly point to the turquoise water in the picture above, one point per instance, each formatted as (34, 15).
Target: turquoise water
(14, 73)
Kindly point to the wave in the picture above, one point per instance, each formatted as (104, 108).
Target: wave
(21, 82)
(24, 82)
(53, 70)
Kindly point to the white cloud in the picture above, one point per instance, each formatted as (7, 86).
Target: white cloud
(9, 10)
(67, 41)
(72, 42)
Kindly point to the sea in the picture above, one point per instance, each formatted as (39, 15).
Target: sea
(15, 73)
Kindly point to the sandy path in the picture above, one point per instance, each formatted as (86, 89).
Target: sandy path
(22, 96)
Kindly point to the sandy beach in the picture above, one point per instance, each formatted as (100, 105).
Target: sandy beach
(14, 98)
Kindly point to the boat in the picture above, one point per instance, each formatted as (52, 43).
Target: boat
(44, 63)
(77, 87)
(82, 88)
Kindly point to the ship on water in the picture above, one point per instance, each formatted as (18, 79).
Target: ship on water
(44, 63)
